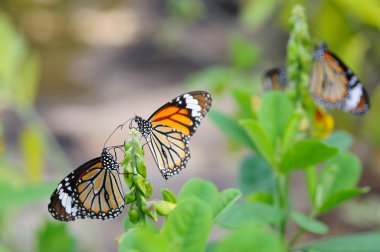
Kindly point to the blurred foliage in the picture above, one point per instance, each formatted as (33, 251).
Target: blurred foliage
(55, 237)
(280, 134)
(285, 134)
(187, 227)
(22, 176)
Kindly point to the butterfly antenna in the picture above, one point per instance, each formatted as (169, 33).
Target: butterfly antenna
(113, 132)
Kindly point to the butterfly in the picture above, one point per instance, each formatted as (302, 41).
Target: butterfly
(169, 129)
(334, 85)
(93, 190)
(275, 79)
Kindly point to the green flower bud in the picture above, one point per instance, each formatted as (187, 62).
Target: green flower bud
(168, 196)
(139, 181)
(128, 176)
(150, 210)
(141, 168)
(149, 189)
(163, 208)
(134, 216)
(130, 196)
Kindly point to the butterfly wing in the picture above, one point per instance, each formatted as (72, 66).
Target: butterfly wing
(329, 83)
(184, 113)
(93, 190)
(275, 79)
(169, 129)
(357, 101)
(170, 149)
(333, 84)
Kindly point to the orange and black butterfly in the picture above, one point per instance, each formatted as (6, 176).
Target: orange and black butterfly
(275, 79)
(169, 129)
(334, 85)
(93, 190)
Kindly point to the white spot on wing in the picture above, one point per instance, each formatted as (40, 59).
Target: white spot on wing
(353, 99)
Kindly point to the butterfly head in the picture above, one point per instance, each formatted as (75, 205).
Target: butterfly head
(143, 126)
(108, 160)
(320, 50)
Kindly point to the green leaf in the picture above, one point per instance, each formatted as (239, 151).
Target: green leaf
(366, 13)
(168, 196)
(163, 208)
(255, 176)
(243, 214)
(254, 13)
(252, 238)
(223, 201)
(231, 128)
(306, 153)
(55, 237)
(291, 130)
(311, 183)
(188, 225)
(264, 198)
(339, 139)
(262, 142)
(244, 100)
(148, 225)
(33, 149)
(242, 52)
(200, 189)
(367, 242)
(16, 196)
(309, 224)
(274, 113)
(136, 240)
(341, 172)
(339, 197)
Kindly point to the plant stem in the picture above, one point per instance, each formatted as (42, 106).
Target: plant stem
(282, 191)
(297, 237)
(300, 232)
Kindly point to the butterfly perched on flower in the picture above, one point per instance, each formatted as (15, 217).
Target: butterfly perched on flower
(169, 129)
(275, 79)
(334, 85)
(93, 190)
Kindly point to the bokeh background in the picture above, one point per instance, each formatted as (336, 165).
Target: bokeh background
(72, 71)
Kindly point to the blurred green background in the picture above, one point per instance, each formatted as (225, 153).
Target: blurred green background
(71, 71)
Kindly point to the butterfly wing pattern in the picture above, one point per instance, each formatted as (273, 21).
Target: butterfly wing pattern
(275, 79)
(334, 85)
(169, 129)
(93, 190)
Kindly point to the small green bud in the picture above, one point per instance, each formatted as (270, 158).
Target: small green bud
(134, 216)
(130, 196)
(150, 210)
(128, 176)
(149, 189)
(139, 181)
(163, 208)
(127, 145)
(141, 168)
(168, 196)
(128, 156)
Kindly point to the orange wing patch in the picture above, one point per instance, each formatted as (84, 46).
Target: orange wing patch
(165, 113)
(174, 117)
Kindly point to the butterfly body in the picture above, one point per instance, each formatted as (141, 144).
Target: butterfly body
(169, 129)
(93, 190)
(334, 85)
